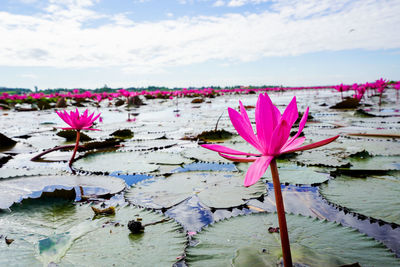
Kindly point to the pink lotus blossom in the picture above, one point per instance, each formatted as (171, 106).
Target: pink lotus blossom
(78, 121)
(272, 139)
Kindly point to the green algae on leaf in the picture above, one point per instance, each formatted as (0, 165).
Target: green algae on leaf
(123, 134)
(374, 196)
(66, 234)
(245, 241)
(215, 189)
(215, 135)
(6, 141)
(348, 103)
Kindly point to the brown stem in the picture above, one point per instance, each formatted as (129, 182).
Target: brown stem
(287, 257)
(78, 136)
(216, 125)
(37, 157)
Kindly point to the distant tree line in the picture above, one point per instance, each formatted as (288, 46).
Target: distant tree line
(105, 88)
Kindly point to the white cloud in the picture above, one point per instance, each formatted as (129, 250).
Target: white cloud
(236, 3)
(219, 3)
(29, 76)
(58, 38)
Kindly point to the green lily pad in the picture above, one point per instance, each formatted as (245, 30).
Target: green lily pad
(18, 172)
(63, 233)
(245, 241)
(322, 158)
(165, 158)
(293, 174)
(373, 147)
(16, 189)
(126, 162)
(374, 196)
(204, 155)
(375, 163)
(217, 190)
(151, 145)
(214, 135)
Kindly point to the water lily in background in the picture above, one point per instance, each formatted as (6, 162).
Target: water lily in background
(272, 139)
(78, 122)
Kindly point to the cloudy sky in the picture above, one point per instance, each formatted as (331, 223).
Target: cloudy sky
(123, 43)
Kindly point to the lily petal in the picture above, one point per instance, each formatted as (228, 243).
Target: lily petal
(291, 113)
(227, 150)
(237, 159)
(313, 145)
(257, 169)
(243, 129)
(244, 115)
(95, 118)
(265, 121)
(301, 127)
(293, 144)
(279, 137)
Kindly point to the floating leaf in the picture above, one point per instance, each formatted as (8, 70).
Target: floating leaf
(374, 196)
(18, 172)
(165, 158)
(202, 154)
(348, 103)
(245, 241)
(70, 135)
(126, 162)
(5, 141)
(373, 146)
(375, 163)
(16, 189)
(123, 133)
(207, 166)
(323, 158)
(63, 233)
(217, 190)
(214, 135)
(293, 174)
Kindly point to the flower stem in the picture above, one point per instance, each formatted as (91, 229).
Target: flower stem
(78, 136)
(287, 257)
(37, 157)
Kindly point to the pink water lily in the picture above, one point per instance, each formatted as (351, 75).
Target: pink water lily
(272, 138)
(77, 121)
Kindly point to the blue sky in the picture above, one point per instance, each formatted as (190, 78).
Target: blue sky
(182, 43)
